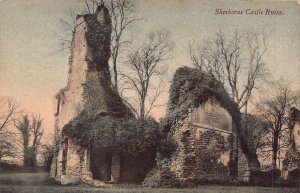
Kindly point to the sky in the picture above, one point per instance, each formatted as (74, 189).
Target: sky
(33, 70)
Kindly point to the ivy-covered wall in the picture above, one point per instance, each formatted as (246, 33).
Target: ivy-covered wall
(291, 166)
(89, 113)
(204, 152)
(291, 162)
(192, 87)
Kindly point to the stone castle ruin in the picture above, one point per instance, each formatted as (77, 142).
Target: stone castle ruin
(95, 132)
(203, 120)
(87, 100)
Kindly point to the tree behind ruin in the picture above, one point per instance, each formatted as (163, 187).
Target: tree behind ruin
(9, 111)
(144, 65)
(123, 17)
(275, 111)
(30, 141)
(236, 60)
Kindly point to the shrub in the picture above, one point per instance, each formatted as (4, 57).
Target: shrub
(162, 177)
(167, 147)
(294, 177)
(265, 178)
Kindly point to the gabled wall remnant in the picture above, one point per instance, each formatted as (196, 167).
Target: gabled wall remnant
(205, 148)
(205, 122)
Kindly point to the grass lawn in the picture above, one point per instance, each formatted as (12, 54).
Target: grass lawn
(40, 182)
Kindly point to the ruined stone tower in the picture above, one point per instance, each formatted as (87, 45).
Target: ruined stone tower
(88, 91)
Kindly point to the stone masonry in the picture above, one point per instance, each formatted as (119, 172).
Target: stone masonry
(206, 145)
(204, 121)
(88, 89)
(291, 163)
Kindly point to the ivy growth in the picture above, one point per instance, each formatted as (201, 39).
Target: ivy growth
(122, 135)
(190, 88)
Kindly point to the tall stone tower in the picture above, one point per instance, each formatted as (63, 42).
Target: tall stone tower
(88, 90)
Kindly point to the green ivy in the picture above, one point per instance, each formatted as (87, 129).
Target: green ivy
(123, 135)
(190, 88)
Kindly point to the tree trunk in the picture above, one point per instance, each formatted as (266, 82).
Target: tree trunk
(142, 110)
(26, 157)
(274, 151)
(115, 75)
(274, 159)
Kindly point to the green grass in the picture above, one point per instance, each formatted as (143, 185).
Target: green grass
(40, 182)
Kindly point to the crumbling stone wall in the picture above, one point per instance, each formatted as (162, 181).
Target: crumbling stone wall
(296, 135)
(89, 90)
(212, 155)
(204, 151)
(291, 166)
(204, 119)
(291, 163)
(73, 165)
(70, 100)
(76, 166)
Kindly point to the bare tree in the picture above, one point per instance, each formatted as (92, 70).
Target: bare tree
(68, 24)
(31, 134)
(122, 13)
(37, 133)
(23, 127)
(274, 111)
(9, 111)
(257, 129)
(7, 148)
(144, 65)
(236, 61)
